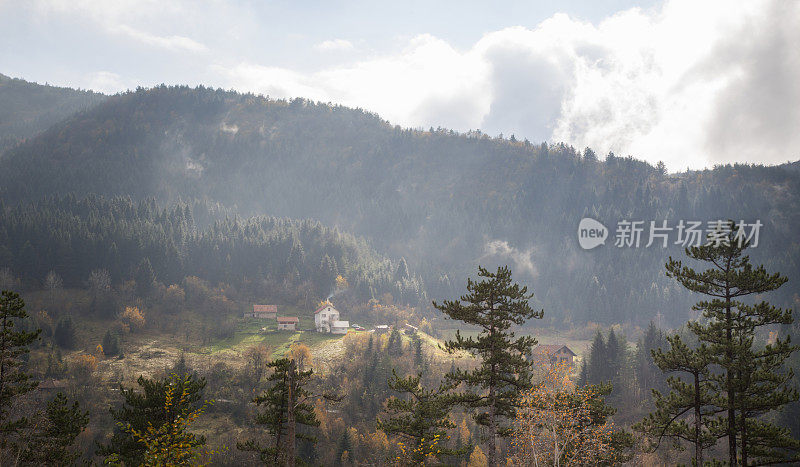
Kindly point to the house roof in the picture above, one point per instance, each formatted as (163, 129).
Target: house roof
(323, 307)
(550, 349)
(265, 308)
(288, 319)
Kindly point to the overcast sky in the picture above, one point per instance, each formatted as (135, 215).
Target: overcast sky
(691, 83)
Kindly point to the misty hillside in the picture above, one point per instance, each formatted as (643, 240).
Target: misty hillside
(265, 256)
(28, 108)
(444, 201)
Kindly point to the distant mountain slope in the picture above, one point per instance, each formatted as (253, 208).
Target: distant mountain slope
(28, 108)
(443, 200)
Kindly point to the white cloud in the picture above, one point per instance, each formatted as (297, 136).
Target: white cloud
(334, 45)
(122, 17)
(692, 83)
(175, 43)
(106, 82)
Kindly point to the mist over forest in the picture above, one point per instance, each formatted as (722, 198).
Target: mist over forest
(443, 201)
(167, 246)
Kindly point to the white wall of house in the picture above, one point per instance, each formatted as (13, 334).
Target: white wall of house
(325, 317)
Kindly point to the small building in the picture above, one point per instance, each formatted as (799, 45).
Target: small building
(262, 312)
(340, 327)
(52, 385)
(325, 316)
(381, 328)
(553, 353)
(288, 323)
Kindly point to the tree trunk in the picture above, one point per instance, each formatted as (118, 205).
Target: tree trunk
(698, 442)
(729, 378)
(290, 421)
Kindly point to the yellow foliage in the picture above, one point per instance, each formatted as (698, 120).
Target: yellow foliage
(477, 458)
(341, 282)
(98, 351)
(556, 414)
(133, 318)
(301, 354)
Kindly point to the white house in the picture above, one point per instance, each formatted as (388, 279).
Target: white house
(326, 319)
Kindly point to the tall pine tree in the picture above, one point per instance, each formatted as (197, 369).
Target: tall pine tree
(690, 399)
(14, 380)
(750, 382)
(287, 406)
(493, 305)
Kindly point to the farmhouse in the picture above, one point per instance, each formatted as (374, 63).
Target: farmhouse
(288, 323)
(326, 319)
(554, 353)
(262, 312)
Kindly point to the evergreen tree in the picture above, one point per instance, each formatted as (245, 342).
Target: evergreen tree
(648, 375)
(64, 334)
(110, 344)
(493, 305)
(287, 407)
(144, 409)
(615, 357)
(692, 398)
(750, 382)
(50, 443)
(597, 361)
(420, 418)
(145, 278)
(14, 380)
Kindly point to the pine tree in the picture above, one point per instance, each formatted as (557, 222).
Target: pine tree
(144, 409)
(110, 344)
(420, 419)
(751, 381)
(64, 334)
(615, 357)
(596, 364)
(287, 407)
(14, 380)
(686, 398)
(648, 375)
(493, 305)
(51, 442)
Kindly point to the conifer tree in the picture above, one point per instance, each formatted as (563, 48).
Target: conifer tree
(493, 305)
(287, 406)
(751, 381)
(51, 442)
(692, 398)
(596, 363)
(141, 410)
(420, 418)
(14, 380)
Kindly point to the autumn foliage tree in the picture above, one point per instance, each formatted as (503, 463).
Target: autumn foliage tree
(561, 424)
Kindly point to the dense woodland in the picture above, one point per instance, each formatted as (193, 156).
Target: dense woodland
(73, 237)
(445, 201)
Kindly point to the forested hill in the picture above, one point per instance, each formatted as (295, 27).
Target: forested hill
(28, 108)
(444, 201)
(272, 258)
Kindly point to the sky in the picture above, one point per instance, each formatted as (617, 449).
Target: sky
(690, 83)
